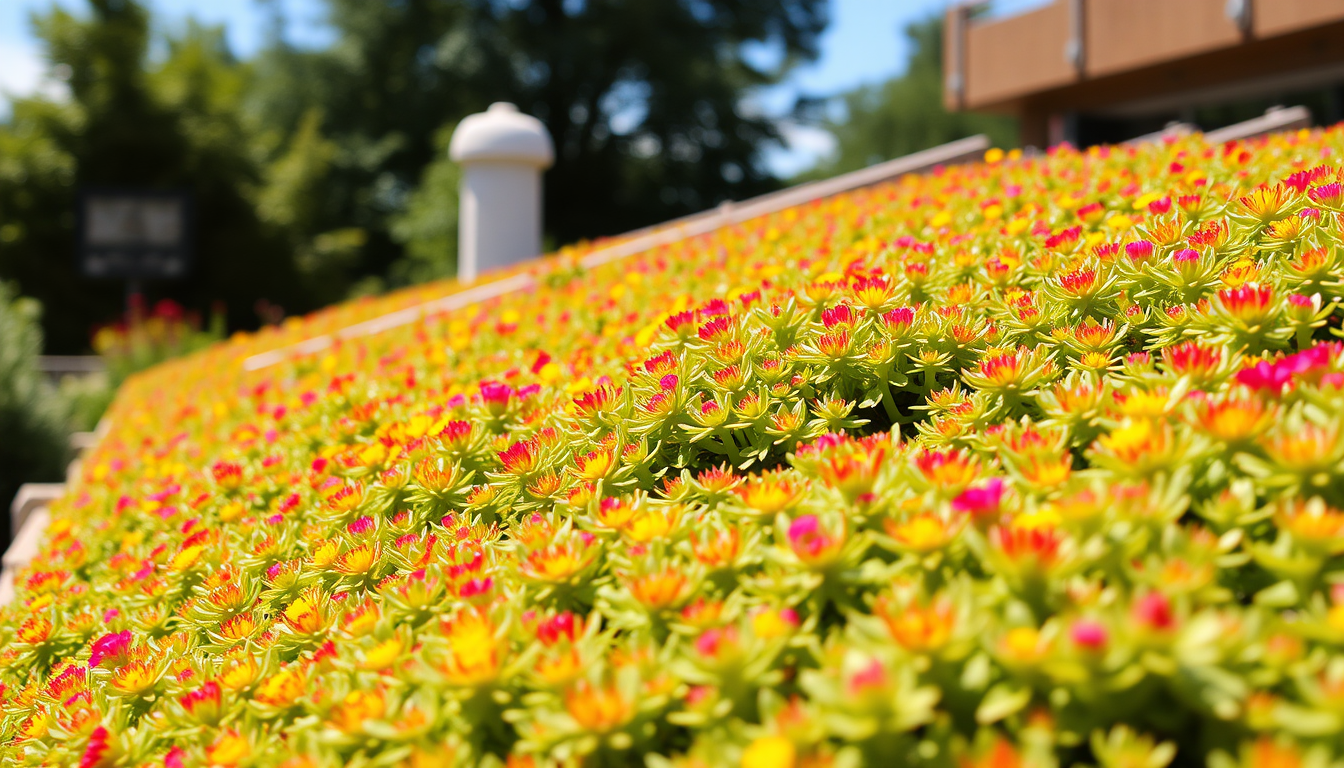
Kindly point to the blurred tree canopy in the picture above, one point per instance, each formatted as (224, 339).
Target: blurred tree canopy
(906, 114)
(319, 172)
(32, 422)
(643, 100)
(171, 122)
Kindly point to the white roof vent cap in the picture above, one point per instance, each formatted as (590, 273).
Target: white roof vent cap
(502, 134)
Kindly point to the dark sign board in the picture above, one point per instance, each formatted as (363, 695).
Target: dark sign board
(134, 234)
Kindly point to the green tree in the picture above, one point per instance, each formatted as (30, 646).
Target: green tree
(32, 421)
(906, 114)
(427, 227)
(643, 100)
(172, 122)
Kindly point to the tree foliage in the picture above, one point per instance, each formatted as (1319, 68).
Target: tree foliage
(642, 99)
(32, 422)
(316, 171)
(172, 121)
(428, 225)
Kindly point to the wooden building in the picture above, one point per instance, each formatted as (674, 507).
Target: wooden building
(1087, 71)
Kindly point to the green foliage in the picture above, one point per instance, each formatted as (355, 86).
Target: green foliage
(32, 428)
(428, 226)
(640, 98)
(294, 199)
(144, 339)
(169, 121)
(321, 173)
(906, 114)
(86, 399)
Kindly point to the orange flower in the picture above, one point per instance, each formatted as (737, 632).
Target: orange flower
(228, 749)
(563, 561)
(661, 589)
(923, 533)
(770, 493)
(948, 470)
(1234, 420)
(474, 656)
(598, 708)
(719, 551)
(34, 631)
(358, 706)
(1037, 546)
(918, 628)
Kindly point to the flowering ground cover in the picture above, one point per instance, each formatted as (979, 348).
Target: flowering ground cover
(1029, 462)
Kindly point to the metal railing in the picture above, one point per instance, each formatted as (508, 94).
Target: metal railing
(642, 240)
(728, 214)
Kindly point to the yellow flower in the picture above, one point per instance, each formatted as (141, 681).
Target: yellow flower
(771, 623)
(473, 652)
(382, 655)
(240, 674)
(653, 524)
(281, 689)
(185, 559)
(135, 679)
(34, 631)
(229, 748)
(357, 707)
(1022, 644)
(769, 752)
(922, 533)
(325, 553)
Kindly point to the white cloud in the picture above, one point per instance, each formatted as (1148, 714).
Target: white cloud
(24, 73)
(21, 69)
(806, 145)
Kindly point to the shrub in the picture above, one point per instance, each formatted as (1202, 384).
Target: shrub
(32, 428)
(1034, 461)
(143, 339)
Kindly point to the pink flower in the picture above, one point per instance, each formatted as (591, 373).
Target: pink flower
(1264, 375)
(111, 647)
(1088, 634)
(983, 502)
(840, 315)
(810, 542)
(1277, 375)
(1154, 610)
(204, 702)
(1331, 194)
(870, 677)
(495, 395)
(96, 749)
(899, 318)
(476, 587)
(711, 641)
(1140, 251)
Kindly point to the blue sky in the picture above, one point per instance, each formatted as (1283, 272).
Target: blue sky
(863, 44)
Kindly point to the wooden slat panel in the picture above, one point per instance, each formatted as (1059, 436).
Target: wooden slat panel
(1018, 55)
(1129, 34)
(1277, 17)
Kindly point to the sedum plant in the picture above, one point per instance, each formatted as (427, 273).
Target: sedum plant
(1030, 462)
